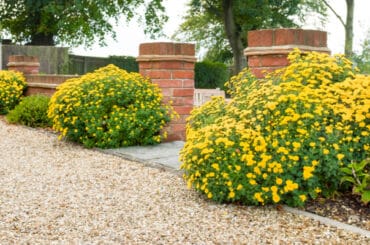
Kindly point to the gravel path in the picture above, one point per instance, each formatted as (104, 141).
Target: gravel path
(53, 192)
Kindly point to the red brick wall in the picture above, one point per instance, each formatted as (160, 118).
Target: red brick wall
(36, 83)
(268, 49)
(171, 66)
(25, 64)
(44, 84)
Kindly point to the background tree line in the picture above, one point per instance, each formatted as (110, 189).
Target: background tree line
(218, 26)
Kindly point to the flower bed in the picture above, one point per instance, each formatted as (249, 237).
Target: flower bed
(282, 139)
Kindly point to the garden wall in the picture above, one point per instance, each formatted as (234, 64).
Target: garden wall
(53, 60)
(36, 83)
(171, 67)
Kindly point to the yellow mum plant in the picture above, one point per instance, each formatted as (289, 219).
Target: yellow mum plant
(281, 139)
(109, 108)
(12, 86)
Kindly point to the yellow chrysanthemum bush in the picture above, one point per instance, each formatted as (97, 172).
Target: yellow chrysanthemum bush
(281, 139)
(109, 108)
(12, 86)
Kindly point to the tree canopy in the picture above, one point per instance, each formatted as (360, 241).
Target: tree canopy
(221, 26)
(75, 22)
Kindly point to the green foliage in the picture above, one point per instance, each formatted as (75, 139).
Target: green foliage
(210, 74)
(46, 22)
(84, 64)
(31, 111)
(127, 63)
(282, 139)
(362, 60)
(109, 108)
(205, 22)
(12, 86)
(358, 175)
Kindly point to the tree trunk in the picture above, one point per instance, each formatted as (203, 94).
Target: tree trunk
(233, 35)
(42, 39)
(348, 47)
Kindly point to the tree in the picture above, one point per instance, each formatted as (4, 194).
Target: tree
(222, 25)
(348, 25)
(362, 60)
(74, 22)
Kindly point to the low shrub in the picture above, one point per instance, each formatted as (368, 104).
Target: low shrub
(109, 108)
(358, 174)
(282, 139)
(12, 86)
(31, 111)
(210, 74)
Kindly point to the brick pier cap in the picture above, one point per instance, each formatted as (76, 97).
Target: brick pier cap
(268, 49)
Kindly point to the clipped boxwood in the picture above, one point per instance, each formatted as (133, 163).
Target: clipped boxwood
(210, 74)
(31, 111)
(282, 139)
(12, 86)
(109, 108)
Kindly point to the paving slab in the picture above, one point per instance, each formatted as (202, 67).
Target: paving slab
(164, 154)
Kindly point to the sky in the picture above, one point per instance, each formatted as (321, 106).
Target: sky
(130, 35)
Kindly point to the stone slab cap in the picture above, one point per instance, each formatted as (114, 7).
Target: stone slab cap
(282, 49)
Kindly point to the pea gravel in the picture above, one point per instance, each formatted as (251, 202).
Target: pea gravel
(54, 192)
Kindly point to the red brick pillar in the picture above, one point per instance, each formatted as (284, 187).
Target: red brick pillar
(268, 49)
(25, 64)
(171, 66)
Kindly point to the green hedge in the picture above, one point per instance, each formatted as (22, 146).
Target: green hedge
(127, 63)
(210, 74)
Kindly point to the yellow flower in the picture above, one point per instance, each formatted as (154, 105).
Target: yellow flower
(307, 172)
(215, 166)
(279, 181)
(275, 197)
(325, 151)
(256, 170)
(340, 156)
(252, 182)
(258, 197)
(239, 187)
(231, 194)
(290, 186)
(303, 198)
(296, 145)
(315, 163)
(209, 195)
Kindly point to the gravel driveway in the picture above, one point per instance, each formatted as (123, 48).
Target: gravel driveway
(53, 192)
